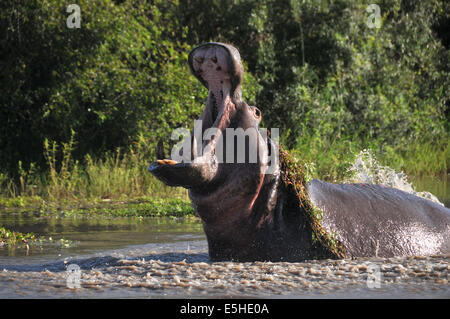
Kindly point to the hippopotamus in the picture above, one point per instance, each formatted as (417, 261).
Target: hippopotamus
(253, 210)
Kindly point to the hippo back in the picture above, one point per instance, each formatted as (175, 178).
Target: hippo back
(374, 220)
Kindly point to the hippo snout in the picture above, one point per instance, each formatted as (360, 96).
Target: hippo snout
(187, 175)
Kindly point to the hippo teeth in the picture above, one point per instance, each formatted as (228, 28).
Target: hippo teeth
(166, 162)
(194, 148)
(160, 150)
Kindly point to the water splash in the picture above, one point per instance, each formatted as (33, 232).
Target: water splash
(366, 169)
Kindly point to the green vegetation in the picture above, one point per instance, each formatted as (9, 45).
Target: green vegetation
(82, 109)
(14, 239)
(144, 207)
(98, 184)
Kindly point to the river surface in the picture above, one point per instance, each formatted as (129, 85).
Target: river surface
(168, 258)
(438, 186)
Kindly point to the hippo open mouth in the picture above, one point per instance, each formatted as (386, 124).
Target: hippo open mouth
(218, 67)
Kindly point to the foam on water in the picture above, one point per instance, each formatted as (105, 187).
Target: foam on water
(366, 169)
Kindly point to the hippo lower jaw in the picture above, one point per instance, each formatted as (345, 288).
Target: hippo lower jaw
(187, 175)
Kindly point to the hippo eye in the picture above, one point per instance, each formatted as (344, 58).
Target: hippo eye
(257, 112)
(214, 59)
(199, 59)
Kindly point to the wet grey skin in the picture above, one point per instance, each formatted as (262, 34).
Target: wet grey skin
(248, 214)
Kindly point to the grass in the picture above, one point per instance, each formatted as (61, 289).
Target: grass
(420, 158)
(142, 207)
(118, 185)
(137, 207)
(330, 159)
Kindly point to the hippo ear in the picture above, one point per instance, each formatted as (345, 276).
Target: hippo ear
(256, 113)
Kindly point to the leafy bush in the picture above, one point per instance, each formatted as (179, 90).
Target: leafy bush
(334, 75)
(114, 77)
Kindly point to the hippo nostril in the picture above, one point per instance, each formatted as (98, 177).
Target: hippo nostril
(218, 68)
(199, 59)
(214, 59)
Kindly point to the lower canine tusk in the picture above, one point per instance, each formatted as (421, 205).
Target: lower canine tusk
(167, 162)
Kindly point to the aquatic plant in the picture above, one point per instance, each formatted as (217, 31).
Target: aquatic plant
(12, 239)
(8, 237)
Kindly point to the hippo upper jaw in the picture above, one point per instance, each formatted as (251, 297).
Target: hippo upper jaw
(219, 68)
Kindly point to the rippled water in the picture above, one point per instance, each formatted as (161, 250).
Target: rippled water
(160, 258)
(91, 235)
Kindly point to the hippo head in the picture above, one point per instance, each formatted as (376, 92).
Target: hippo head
(209, 159)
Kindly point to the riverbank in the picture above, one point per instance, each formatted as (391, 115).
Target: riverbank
(137, 207)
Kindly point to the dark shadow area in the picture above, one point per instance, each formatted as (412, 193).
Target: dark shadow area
(108, 261)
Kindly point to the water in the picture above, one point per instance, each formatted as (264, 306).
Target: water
(163, 257)
(91, 235)
(367, 169)
(438, 186)
(160, 258)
